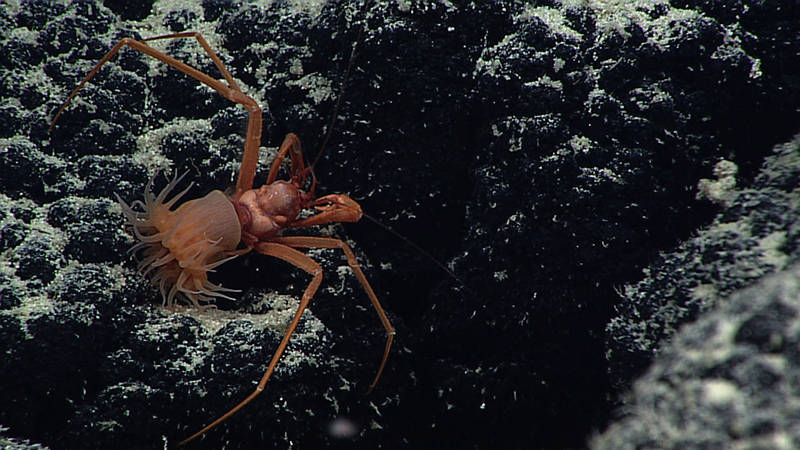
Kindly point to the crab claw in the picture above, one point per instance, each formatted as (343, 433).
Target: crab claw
(334, 208)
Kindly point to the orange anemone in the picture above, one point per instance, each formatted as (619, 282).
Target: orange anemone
(180, 247)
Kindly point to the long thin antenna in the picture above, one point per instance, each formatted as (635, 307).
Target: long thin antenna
(329, 132)
(415, 247)
(346, 77)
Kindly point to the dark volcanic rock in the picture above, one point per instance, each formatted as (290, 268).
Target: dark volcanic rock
(755, 233)
(547, 153)
(729, 380)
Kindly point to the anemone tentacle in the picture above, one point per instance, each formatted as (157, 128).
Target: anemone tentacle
(181, 246)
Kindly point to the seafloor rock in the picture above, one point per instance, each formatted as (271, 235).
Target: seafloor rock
(547, 153)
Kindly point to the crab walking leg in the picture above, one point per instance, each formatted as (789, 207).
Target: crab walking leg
(203, 43)
(304, 262)
(290, 142)
(321, 242)
(250, 158)
(232, 93)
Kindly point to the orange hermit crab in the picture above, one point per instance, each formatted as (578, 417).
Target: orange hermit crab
(179, 246)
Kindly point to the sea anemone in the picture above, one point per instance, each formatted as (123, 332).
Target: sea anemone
(180, 247)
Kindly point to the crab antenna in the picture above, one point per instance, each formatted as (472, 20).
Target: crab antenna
(346, 77)
(415, 247)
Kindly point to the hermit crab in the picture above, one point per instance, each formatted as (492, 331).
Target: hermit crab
(178, 246)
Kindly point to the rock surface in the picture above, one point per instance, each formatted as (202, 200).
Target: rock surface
(547, 153)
